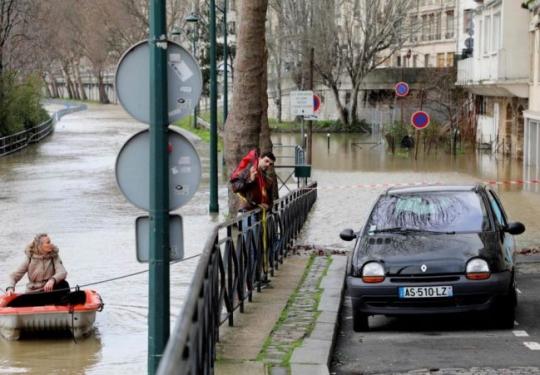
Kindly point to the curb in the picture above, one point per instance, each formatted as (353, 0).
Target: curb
(313, 357)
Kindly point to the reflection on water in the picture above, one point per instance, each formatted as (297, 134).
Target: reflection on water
(66, 186)
(354, 160)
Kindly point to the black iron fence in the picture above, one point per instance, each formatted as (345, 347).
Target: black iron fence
(17, 141)
(238, 259)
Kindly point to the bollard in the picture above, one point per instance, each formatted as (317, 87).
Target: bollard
(328, 140)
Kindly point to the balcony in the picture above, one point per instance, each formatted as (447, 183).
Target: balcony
(495, 74)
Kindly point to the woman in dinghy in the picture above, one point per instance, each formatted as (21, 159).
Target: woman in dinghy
(43, 266)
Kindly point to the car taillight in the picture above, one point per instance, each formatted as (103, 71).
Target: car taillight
(373, 272)
(477, 269)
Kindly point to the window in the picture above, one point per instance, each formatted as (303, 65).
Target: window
(449, 24)
(414, 29)
(500, 217)
(438, 26)
(450, 59)
(426, 60)
(415, 61)
(424, 27)
(468, 16)
(496, 33)
(479, 38)
(441, 61)
(398, 61)
(431, 26)
(459, 211)
(487, 28)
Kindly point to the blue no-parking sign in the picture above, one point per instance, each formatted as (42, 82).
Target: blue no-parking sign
(420, 119)
(401, 89)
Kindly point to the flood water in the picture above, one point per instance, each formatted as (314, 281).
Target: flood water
(66, 186)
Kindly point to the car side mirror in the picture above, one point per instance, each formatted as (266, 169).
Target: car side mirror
(347, 235)
(515, 228)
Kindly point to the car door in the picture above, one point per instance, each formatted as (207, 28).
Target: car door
(507, 241)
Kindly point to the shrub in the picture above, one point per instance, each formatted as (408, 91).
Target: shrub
(20, 106)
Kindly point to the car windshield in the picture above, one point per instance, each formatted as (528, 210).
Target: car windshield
(432, 211)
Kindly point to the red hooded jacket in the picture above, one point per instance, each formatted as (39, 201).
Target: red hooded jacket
(254, 192)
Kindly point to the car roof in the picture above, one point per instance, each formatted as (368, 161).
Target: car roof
(433, 188)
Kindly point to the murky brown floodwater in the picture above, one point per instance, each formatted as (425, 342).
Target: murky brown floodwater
(66, 186)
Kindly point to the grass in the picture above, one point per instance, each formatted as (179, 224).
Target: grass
(285, 313)
(187, 124)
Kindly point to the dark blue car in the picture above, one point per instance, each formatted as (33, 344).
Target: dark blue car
(433, 250)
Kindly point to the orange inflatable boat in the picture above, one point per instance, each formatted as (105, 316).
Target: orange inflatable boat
(75, 311)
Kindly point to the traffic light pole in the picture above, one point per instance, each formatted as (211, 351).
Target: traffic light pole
(158, 284)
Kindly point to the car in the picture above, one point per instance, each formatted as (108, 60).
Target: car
(434, 250)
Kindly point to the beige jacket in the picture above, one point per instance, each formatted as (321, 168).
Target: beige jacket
(40, 268)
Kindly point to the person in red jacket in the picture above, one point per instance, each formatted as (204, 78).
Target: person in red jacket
(250, 181)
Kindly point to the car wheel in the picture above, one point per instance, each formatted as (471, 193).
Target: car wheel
(505, 316)
(360, 322)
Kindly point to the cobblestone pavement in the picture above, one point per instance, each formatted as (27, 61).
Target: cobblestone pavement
(301, 315)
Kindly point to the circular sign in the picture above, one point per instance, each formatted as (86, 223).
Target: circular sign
(401, 88)
(132, 81)
(316, 103)
(420, 119)
(133, 170)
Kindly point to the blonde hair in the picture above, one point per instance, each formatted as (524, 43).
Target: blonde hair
(35, 245)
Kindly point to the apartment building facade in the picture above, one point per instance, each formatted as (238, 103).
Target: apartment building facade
(497, 74)
(531, 147)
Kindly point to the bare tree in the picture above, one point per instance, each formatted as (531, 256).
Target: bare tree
(247, 124)
(366, 34)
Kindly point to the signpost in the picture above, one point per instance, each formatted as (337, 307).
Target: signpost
(302, 105)
(420, 120)
(401, 89)
(158, 82)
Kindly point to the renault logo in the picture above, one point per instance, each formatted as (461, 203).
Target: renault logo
(423, 267)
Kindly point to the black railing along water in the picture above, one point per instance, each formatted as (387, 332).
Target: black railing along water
(238, 258)
(17, 141)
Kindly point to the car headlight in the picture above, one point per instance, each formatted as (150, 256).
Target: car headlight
(477, 269)
(373, 272)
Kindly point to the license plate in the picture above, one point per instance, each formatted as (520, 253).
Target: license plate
(425, 291)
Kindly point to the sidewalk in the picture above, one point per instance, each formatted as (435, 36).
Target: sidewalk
(291, 325)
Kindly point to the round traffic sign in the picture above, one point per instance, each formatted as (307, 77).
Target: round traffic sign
(420, 119)
(401, 89)
(133, 170)
(132, 81)
(316, 103)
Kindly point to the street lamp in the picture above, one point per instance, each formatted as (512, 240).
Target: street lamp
(193, 19)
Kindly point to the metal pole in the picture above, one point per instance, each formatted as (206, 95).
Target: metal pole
(194, 46)
(225, 66)
(214, 207)
(158, 285)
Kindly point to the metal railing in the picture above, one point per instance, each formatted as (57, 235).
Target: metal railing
(238, 259)
(20, 140)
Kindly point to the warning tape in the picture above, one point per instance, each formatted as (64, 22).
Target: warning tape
(405, 184)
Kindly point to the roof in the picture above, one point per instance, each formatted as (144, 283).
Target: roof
(431, 188)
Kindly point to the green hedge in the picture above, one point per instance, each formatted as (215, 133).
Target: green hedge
(20, 106)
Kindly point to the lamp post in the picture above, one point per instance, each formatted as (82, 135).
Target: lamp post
(214, 206)
(193, 19)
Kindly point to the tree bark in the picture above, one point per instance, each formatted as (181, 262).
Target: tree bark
(249, 110)
(342, 111)
(79, 82)
(103, 98)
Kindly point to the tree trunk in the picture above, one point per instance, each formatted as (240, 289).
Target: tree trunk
(79, 82)
(342, 111)
(103, 98)
(248, 115)
(46, 85)
(67, 82)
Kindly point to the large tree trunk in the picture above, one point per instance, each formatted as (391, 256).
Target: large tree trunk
(342, 111)
(248, 114)
(80, 84)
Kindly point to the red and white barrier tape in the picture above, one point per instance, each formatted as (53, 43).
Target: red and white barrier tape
(405, 184)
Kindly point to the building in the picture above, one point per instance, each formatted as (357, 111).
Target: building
(531, 154)
(497, 74)
(430, 36)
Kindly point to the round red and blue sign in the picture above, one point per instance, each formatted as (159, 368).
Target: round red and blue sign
(420, 119)
(316, 103)
(402, 89)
